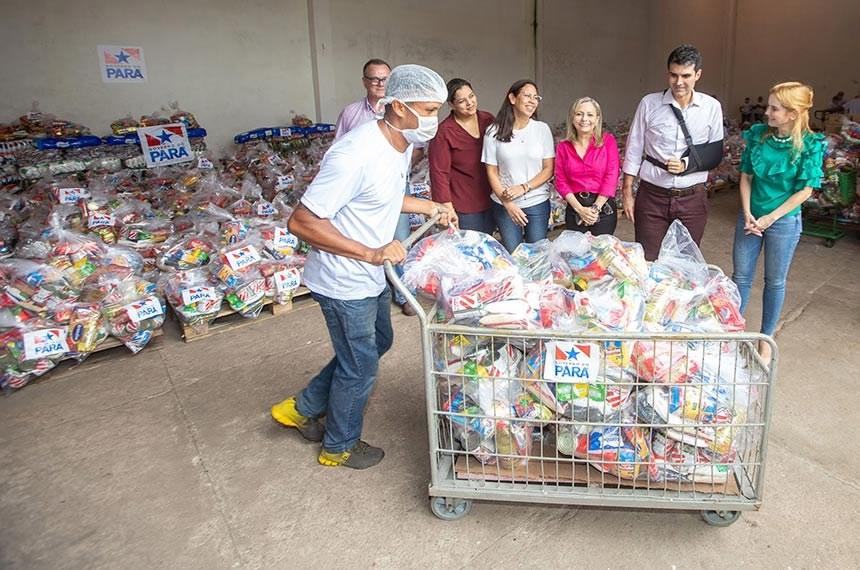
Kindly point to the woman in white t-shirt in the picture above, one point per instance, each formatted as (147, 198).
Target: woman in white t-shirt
(520, 155)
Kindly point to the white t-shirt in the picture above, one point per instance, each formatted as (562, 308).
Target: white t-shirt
(521, 159)
(360, 189)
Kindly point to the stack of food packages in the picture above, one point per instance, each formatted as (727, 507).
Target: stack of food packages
(97, 253)
(842, 154)
(638, 409)
(727, 173)
(419, 187)
(41, 146)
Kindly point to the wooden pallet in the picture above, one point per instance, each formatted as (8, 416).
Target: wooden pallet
(229, 320)
(111, 342)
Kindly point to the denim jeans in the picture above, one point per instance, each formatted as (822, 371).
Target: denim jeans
(478, 221)
(401, 233)
(779, 242)
(360, 333)
(512, 234)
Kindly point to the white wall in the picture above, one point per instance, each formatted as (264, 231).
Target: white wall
(235, 65)
(488, 42)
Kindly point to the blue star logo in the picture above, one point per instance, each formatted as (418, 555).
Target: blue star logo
(121, 57)
(572, 354)
(49, 336)
(164, 137)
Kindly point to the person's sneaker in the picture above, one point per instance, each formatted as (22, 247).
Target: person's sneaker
(408, 310)
(286, 414)
(360, 456)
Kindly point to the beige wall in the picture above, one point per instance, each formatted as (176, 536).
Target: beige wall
(236, 65)
(240, 65)
(706, 24)
(488, 42)
(594, 48)
(797, 40)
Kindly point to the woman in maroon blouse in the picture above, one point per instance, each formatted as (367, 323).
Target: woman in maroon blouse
(457, 177)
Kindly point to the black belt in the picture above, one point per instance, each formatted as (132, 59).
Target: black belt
(673, 192)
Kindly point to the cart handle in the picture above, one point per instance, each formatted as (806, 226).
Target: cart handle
(395, 279)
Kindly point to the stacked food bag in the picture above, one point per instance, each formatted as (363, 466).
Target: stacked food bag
(107, 245)
(650, 408)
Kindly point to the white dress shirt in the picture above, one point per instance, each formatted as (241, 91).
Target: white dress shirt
(655, 131)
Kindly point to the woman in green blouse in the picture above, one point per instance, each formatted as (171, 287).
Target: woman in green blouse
(781, 164)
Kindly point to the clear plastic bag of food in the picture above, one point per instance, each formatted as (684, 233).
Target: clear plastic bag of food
(133, 312)
(28, 349)
(494, 298)
(185, 252)
(663, 362)
(456, 254)
(195, 299)
(610, 305)
(680, 256)
(37, 287)
(283, 279)
(237, 268)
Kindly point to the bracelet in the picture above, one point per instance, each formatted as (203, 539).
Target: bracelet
(527, 187)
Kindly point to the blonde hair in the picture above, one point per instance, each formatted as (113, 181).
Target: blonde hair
(795, 97)
(598, 127)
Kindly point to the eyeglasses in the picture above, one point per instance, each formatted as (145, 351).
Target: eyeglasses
(376, 80)
(536, 98)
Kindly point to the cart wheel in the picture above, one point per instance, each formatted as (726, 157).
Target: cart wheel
(829, 243)
(450, 509)
(720, 518)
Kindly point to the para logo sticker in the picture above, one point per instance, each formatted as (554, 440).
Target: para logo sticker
(45, 343)
(242, 257)
(144, 309)
(571, 361)
(122, 64)
(165, 145)
(284, 239)
(287, 280)
(197, 294)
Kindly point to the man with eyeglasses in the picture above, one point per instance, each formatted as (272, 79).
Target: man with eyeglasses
(374, 75)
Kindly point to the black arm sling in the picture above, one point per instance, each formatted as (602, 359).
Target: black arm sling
(702, 157)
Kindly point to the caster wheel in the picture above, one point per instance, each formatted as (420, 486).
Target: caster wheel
(829, 243)
(450, 509)
(720, 518)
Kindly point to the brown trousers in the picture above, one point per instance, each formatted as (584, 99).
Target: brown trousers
(654, 210)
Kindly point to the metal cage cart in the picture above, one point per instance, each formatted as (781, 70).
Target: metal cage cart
(635, 420)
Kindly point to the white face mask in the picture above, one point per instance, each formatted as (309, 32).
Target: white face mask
(426, 128)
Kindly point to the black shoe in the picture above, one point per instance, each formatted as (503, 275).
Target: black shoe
(360, 456)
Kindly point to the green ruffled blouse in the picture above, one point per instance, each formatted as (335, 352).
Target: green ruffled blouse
(777, 170)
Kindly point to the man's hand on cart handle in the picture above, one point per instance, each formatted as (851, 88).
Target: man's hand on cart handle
(447, 215)
(393, 252)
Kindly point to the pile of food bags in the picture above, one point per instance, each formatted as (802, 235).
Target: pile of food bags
(638, 409)
(98, 250)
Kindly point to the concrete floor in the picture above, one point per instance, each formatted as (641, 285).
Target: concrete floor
(169, 459)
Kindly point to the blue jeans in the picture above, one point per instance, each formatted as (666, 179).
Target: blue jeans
(512, 234)
(401, 233)
(360, 333)
(478, 221)
(779, 241)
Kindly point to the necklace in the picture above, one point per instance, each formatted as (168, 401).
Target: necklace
(784, 139)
